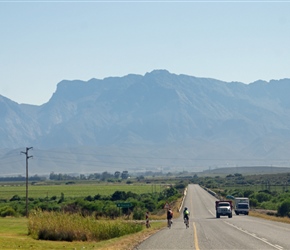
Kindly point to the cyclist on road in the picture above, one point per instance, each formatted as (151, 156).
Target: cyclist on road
(169, 217)
(186, 216)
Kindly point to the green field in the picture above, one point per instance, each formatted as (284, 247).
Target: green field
(14, 231)
(75, 190)
(256, 188)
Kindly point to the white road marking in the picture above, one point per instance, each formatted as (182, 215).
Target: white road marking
(255, 236)
(211, 212)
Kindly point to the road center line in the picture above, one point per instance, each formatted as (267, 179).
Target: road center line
(194, 229)
(195, 237)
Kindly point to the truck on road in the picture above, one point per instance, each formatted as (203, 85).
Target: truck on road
(224, 208)
(241, 205)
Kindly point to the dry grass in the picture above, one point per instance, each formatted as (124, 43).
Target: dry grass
(263, 214)
(59, 226)
(129, 242)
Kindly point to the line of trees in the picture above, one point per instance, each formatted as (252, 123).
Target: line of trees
(97, 205)
(64, 177)
(95, 176)
(21, 178)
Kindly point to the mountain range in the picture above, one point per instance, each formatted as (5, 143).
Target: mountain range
(160, 121)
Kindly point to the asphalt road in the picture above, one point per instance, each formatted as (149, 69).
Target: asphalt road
(208, 232)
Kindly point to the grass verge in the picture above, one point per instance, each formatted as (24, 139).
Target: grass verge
(264, 215)
(14, 235)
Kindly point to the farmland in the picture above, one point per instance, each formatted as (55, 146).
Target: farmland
(74, 190)
(92, 199)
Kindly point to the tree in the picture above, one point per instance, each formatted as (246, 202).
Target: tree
(284, 209)
(119, 195)
(117, 174)
(141, 177)
(105, 175)
(149, 204)
(263, 197)
(125, 175)
(170, 192)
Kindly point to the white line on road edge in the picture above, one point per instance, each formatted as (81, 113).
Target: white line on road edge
(211, 212)
(184, 195)
(255, 236)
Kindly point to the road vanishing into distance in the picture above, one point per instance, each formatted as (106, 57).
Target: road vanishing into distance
(208, 232)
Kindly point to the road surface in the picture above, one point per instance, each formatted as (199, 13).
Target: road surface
(208, 232)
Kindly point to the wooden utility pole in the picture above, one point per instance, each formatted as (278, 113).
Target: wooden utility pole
(27, 157)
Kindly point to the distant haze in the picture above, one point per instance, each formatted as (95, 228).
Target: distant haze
(160, 121)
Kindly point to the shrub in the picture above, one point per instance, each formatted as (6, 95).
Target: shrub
(7, 211)
(253, 202)
(269, 205)
(118, 195)
(263, 197)
(75, 227)
(247, 193)
(111, 210)
(139, 213)
(15, 198)
(180, 186)
(170, 192)
(149, 204)
(284, 209)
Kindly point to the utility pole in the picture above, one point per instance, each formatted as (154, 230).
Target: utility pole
(27, 157)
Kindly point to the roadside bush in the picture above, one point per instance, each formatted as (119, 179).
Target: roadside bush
(15, 198)
(7, 211)
(139, 213)
(111, 210)
(119, 195)
(284, 209)
(261, 197)
(149, 203)
(247, 193)
(237, 193)
(269, 205)
(161, 204)
(253, 201)
(180, 186)
(170, 192)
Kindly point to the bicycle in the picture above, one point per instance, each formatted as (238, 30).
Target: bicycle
(169, 223)
(148, 224)
(186, 222)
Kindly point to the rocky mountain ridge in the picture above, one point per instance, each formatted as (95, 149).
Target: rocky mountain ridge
(159, 120)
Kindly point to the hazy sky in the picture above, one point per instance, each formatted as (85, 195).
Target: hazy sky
(44, 42)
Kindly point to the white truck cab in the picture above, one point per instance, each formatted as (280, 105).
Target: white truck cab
(223, 208)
